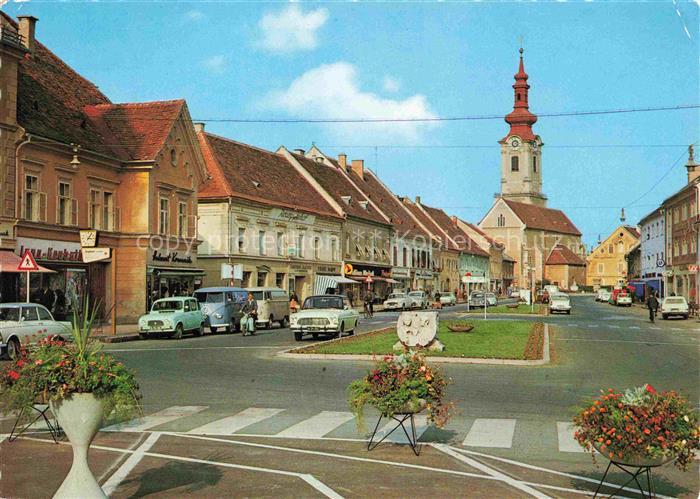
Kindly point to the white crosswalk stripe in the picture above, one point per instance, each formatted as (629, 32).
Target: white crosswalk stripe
(491, 433)
(232, 424)
(317, 426)
(565, 435)
(157, 419)
(398, 436)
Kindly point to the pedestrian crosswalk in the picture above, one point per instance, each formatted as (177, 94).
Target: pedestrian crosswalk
(494, 433)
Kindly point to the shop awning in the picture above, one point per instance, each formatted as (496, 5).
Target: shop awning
(175, 271)
(9, 263)
(323, 282)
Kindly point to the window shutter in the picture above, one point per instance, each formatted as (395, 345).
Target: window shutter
(42, 207)
(74, 212)
(117, 219)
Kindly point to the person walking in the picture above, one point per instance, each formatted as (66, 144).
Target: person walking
(652, 304)
(351, 297)
(294, 303)
(250, 314)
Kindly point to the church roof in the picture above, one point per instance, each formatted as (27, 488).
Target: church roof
(541, 218)
(561, 255)
(520, 118)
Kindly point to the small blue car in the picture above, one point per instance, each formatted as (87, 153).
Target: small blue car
(173, 316)
(221, 307)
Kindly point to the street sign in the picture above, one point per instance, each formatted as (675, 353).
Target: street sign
(369, 279)
(28, 264)
(96, 254)
(347, 269)
(660, 263)
(693, 268)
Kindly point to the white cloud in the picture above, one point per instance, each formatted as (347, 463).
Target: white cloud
(194, 15)
(291, 29)
(332, 91)
(215, 63)
(391, 84)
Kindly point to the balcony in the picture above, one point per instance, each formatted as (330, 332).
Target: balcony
(11, 37)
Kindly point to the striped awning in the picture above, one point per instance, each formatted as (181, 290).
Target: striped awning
(323, 282)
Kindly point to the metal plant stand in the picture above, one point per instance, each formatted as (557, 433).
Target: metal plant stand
(635, 472)
(400, 423)
(41, 410)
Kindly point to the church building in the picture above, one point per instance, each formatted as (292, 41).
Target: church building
(519, 218)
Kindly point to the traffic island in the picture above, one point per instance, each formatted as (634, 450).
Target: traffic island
(489, 342)
(521, 309)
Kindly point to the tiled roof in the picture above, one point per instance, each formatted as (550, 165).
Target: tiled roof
(539, 217)
(335, 183)
(561, 255)
(464, 243)
(247, 172)
(633, 231)
(428, 223)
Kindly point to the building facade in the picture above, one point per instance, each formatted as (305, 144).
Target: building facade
(607, 265)
(501, 265)
(565, 269)
(653, 251)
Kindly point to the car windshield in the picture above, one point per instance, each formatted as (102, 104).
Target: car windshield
(560, 298)
(396, 295)
(675, 300)
(166, 305)
(210, 297)
(323, 302)
(9, 314)
(477, 295)
(415, 293)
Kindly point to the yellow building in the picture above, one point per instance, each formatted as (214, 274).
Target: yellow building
(606, 264)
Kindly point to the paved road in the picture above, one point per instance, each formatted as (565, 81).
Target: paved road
(221, 385)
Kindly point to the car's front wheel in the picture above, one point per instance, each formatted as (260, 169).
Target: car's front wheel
(298, 335)
(178, 332)
(199, 331)
(13, 349)
(284, 322)
(341, 330)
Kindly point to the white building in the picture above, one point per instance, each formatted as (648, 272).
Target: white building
(653, 247)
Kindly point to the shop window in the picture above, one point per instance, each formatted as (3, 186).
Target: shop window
(279, 280)
(164, 216)
(261, 243)
(262, 279)
(66, 206)
(182, 219)
(34, 201)
(241, 240)
(514, 163)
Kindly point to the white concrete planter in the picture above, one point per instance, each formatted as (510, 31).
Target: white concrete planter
(80, 416)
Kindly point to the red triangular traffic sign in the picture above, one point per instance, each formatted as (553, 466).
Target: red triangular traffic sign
(28, 264)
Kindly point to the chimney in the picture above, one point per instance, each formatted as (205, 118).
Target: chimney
(417, 199)
(300, 152)
(343, 161)
(199, 127)
(692, 167)
(27, 26)
(358, 166)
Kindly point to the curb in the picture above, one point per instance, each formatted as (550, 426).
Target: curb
(122, 338)
(546, 359)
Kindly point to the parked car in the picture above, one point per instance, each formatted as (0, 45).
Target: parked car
(623, 299)
(448, 299)
(419, 298)
(221, 307)
(273, 306)
(398, 301)
(476, 299)
(324, 314)
(559, 303)
(22, 324)
(491, 299)
(674, 305)
(173, 316)
(605, 296)
(601, 295)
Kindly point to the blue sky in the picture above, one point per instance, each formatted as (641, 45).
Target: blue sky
(350, 60)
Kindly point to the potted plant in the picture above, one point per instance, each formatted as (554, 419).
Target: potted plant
(85, 388)
(640, 428)
(402, 384)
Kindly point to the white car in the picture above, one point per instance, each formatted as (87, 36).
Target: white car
(419, 299)
(491, 299)
(559, 302)
(398, 301)
(324, 314)
(674, 305)
(476, 299)
(448, 299)
(605, 296)
(624, 300)
(551, 289)
(22, 324)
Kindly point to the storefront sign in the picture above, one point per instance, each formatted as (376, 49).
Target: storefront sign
(181, 257)
(325, 269)
(693, 268)
(400, 272)
(96, 254)
(292, 216)
(54, 251)
(424, 274)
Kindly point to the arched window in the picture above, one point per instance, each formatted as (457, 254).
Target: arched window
(514, 163)
(534, 164)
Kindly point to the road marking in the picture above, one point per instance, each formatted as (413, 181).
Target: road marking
(320, 486)
(565, 434)
(491, 433)
(654, 328)
(614, 327)
(398, 436)
(176, 349)
(231, 424)
(631, 341)
(157, 419)
(491, 471)
(593, 325)
(134, 459)
(634, 327)
(317, 426)
(676, 329)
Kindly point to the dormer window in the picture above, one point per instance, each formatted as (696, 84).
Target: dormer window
(256, 183)
(364, 204)
(347, 200)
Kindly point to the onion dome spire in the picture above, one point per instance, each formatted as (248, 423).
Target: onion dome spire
(521, 119)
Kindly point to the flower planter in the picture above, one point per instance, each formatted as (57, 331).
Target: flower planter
(636, 460)
(412, 407)
(460, 328)
(80, 416)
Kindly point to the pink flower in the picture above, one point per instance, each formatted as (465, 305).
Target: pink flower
(38, 362)
(13, 374)
(650, 389)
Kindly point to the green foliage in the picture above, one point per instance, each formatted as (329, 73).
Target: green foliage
(641, 423)
(399, 384)
(53, 370)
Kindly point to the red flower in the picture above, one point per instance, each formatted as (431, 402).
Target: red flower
(13, 374)
(650, 389)
(20, 363)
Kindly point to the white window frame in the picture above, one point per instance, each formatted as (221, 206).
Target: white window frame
(163, 216)
(182, 219)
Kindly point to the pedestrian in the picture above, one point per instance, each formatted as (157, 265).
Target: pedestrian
(652, 304)
(250, 314)
(351, 297)
(293, 304)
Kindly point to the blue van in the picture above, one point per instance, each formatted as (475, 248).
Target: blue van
(221, 307)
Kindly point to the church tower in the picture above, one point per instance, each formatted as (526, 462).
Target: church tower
(521, 156)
